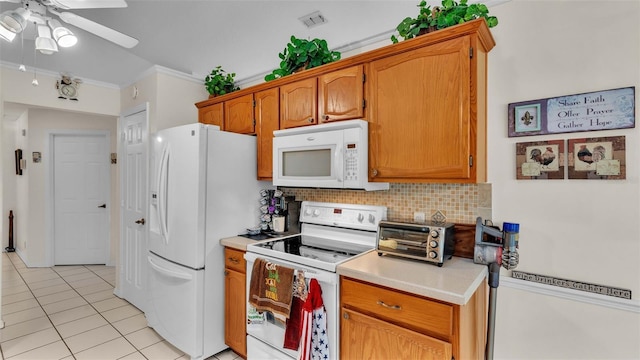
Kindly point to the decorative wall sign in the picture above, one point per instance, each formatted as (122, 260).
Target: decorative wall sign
(597, 158)
(600, 110)
(570, 284)
(540, 160)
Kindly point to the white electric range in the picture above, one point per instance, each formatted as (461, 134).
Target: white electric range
(330, 234)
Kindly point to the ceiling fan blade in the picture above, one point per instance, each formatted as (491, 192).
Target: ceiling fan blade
(86, 4)
(11, 1)
(100, 30)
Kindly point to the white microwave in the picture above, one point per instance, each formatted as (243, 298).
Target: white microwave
(332, 155)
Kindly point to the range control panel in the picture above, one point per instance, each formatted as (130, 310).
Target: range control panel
(361, 217)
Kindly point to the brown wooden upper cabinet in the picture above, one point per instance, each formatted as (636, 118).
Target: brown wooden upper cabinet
(298, 103)
(336, 95)
(428, 114)
(426, 104)
(238, 115)
(267, 117)
(341, 94)
(212, 115)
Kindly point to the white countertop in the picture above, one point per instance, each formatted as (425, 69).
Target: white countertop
(454, 282)
(237, 242)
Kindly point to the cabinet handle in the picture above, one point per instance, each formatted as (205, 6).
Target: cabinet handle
(234, 260)
(310, 120)
(226, 273)
(326, 117)
(392, 307)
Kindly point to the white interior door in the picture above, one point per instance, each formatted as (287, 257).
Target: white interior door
(133, 246)
(81, 197)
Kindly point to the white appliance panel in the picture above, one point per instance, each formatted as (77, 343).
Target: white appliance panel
(178, 194)
(176, 303)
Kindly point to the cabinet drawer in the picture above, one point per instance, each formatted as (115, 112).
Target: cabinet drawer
(234, 259)
(414, 312)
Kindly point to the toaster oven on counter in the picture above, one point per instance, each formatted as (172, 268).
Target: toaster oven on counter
(430, 241)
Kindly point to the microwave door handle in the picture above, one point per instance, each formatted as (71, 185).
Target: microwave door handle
(338, 165)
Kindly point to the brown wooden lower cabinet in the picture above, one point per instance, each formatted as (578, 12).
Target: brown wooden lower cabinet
(377, 322)
(235, 323)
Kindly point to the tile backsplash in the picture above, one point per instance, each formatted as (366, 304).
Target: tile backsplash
(460, 203)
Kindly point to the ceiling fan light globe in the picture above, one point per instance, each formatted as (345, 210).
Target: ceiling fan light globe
(15, 20)
(65, 38)
(46, 45)
(6, 34)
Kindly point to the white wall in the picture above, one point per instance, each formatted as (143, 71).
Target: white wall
(583, 230)
(41, 123)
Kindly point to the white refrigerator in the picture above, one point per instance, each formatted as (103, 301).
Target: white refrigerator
(203, 188)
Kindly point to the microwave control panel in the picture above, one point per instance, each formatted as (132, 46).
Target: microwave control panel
(351, 161)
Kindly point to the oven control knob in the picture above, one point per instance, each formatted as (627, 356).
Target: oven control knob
(360, 217)
(316, 212)
(307, 212)
(434, 234)
(372, 218)
(433, 254)
(433, 244)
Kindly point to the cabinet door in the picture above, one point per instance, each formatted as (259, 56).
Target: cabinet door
(420, 117)
(298, 103)
(341, 94)
(235, 328)
(365, 337)
(238, 115)
(212, 115)
(267, 117)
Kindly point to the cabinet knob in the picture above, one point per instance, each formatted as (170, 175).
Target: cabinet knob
(310, 120)
(345, 315)
(326, 117)
(374, 172)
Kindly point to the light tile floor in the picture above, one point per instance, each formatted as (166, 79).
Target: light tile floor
(70, 312)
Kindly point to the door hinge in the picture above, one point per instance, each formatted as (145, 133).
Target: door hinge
(364, 77)
(254, 123)
(471, 52)
(470, 160)
(254, 103)
(364, 103)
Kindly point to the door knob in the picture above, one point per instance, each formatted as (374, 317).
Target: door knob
(141, 221)
(104, 206)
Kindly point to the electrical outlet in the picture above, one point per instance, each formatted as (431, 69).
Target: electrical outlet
(418, 217)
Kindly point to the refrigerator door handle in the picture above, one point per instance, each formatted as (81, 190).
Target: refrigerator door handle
(169, 273)
(162, 194)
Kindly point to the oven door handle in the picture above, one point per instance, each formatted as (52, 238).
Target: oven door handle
(309, 273)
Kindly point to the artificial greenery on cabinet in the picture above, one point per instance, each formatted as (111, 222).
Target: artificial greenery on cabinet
(439, 17)
(300, 54)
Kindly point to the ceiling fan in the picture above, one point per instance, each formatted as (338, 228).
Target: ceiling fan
(13, 22)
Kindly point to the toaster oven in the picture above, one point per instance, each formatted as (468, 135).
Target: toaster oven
(431, 242)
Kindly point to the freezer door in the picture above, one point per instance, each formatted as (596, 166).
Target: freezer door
(176, 304)
(178, 197)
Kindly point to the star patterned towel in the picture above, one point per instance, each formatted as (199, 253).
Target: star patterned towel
(314, 341)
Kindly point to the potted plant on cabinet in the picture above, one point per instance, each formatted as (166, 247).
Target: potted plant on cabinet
(300, 54)
(219, 82)
(440, 17)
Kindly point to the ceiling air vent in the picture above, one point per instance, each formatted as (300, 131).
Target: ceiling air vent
(313, 19)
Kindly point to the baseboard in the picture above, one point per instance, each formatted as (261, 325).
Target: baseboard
(570, 294)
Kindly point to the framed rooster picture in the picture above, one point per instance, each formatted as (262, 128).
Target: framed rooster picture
(600, 158)
(540, 160)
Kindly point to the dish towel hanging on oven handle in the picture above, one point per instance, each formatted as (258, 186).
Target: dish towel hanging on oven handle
(314, 340)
